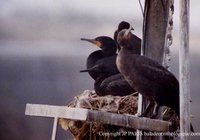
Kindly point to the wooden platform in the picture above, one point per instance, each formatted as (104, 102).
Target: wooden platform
(129, 121)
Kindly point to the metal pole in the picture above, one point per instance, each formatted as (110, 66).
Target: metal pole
(184, 71)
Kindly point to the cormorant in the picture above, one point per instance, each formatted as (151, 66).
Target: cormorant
(101, 65)
(134, 41)
(147, 77)
(105, 57)
(114, 85)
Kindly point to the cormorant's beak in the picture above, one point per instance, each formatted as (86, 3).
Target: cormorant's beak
(128, 31)
(94, 68)
(87, 70)
(93, 41)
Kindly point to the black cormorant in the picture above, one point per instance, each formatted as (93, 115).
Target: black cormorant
(101, 65)
(134, 41)
(104, 58)
(114, 85)
(147, 77)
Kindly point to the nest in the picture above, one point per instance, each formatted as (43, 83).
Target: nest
(115, 104)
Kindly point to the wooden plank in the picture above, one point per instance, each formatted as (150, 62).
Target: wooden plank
(56, 111)
(129, 121)
(184, 70)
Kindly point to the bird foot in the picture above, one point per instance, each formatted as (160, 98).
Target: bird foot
(137, 115)
(140, 115)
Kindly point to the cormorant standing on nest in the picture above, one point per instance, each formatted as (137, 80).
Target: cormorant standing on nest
(134, 41)
(147, 77)
(101, 66)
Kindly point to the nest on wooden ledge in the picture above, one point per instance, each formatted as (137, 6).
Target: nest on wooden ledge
(97, 131)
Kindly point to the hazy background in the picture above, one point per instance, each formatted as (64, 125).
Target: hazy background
(41, 55)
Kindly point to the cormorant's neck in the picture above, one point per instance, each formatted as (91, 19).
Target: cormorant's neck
(93, 57)
(109, 51)
(133, 45)
(91, 61)
(124, 51)
(128, 48)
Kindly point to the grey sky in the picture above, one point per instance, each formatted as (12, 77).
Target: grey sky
(89, 18)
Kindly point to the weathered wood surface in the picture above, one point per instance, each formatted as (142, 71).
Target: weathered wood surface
(184, 69)
(157, 28)
(157, 38)
(157, 23)
(129, 121)
(56, 111)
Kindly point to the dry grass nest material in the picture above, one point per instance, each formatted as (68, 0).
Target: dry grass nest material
(115, 104)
